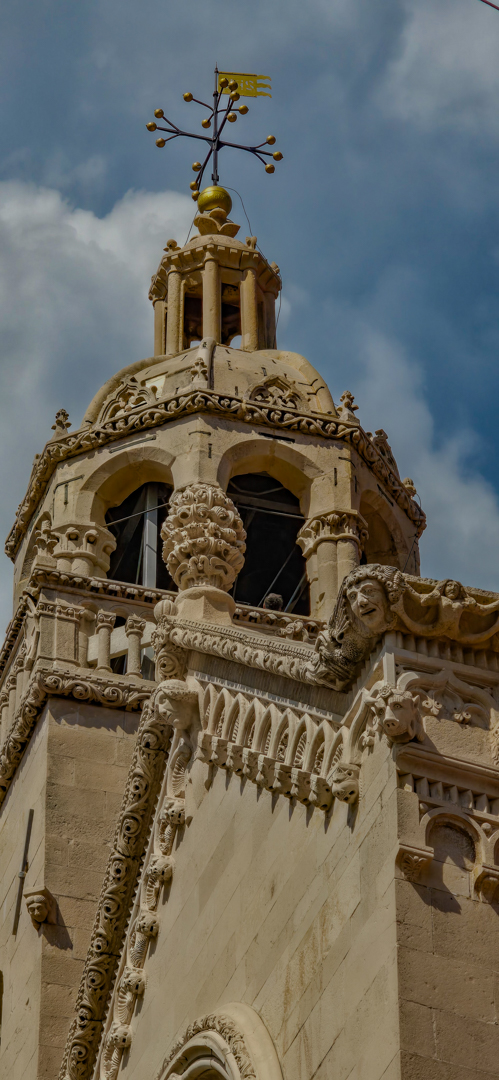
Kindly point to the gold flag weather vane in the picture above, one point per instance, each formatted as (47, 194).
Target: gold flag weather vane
(235, 85)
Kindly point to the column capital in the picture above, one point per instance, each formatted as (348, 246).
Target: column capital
(332, 526)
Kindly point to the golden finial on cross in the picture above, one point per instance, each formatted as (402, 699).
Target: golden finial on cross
(235, 85)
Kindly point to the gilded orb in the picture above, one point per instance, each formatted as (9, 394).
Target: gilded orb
(212, 197)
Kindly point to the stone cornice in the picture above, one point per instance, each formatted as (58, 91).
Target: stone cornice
(185, 403)
(285, 658)
(111, 691)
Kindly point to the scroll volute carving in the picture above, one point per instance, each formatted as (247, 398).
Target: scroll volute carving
(204, 539)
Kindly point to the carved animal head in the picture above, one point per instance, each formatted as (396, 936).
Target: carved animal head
(397, 713)
(147, 924)
(133, 981)
(344, 782)
(119, 1036)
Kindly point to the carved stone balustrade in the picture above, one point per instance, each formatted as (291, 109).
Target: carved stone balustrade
(105, 623)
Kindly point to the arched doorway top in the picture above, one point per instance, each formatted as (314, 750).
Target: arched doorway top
(232, 1042)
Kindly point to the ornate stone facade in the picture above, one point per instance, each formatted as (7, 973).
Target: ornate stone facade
(239, 841)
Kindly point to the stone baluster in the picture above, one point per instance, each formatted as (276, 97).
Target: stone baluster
(134, 628)
(105, 623)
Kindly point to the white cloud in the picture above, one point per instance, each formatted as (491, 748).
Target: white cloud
(74, 309)
(445, 72)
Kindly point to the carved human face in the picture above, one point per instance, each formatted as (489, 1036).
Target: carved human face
(400, 719)
(452, 590)
(38, 908)
(368, 602)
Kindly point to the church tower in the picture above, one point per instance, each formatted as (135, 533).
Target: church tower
(249, 768)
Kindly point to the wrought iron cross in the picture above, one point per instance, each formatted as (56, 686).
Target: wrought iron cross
(219, 116)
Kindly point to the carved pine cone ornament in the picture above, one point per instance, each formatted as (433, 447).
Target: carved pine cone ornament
(204, 539)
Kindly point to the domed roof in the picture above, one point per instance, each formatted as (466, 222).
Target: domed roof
(268, 375)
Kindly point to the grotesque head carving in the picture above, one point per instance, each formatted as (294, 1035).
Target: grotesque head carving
(41, 906)
(368, 603)
(364, 610)
(397, 714)
(344, 782)
(453, 590)
(366, 598)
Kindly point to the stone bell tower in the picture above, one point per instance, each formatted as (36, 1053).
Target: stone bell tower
(249, 771)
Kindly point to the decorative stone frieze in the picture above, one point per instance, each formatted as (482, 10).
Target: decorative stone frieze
(292, 659)
(152, 414)
(204, 539)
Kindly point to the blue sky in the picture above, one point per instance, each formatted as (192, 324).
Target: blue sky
(383, 217)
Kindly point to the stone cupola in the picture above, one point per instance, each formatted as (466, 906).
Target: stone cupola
(216, 286)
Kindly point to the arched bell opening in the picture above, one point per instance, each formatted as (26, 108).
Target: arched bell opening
(273, 563)
(193, 316)
(385, 543)
(231, 314)
(136, 525)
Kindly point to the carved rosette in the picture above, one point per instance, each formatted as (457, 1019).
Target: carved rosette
(333, 526)
(204, 539)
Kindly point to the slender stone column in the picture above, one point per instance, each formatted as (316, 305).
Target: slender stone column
(134, 628)
(105, 623)
(212, 301)
(270, 334)
(249, 310)
(331, 544)
(159, 327)
(174, 312)
(348, 557)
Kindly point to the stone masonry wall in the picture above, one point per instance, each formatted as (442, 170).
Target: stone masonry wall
(73, 774)
(448, 965)
(271, 906)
